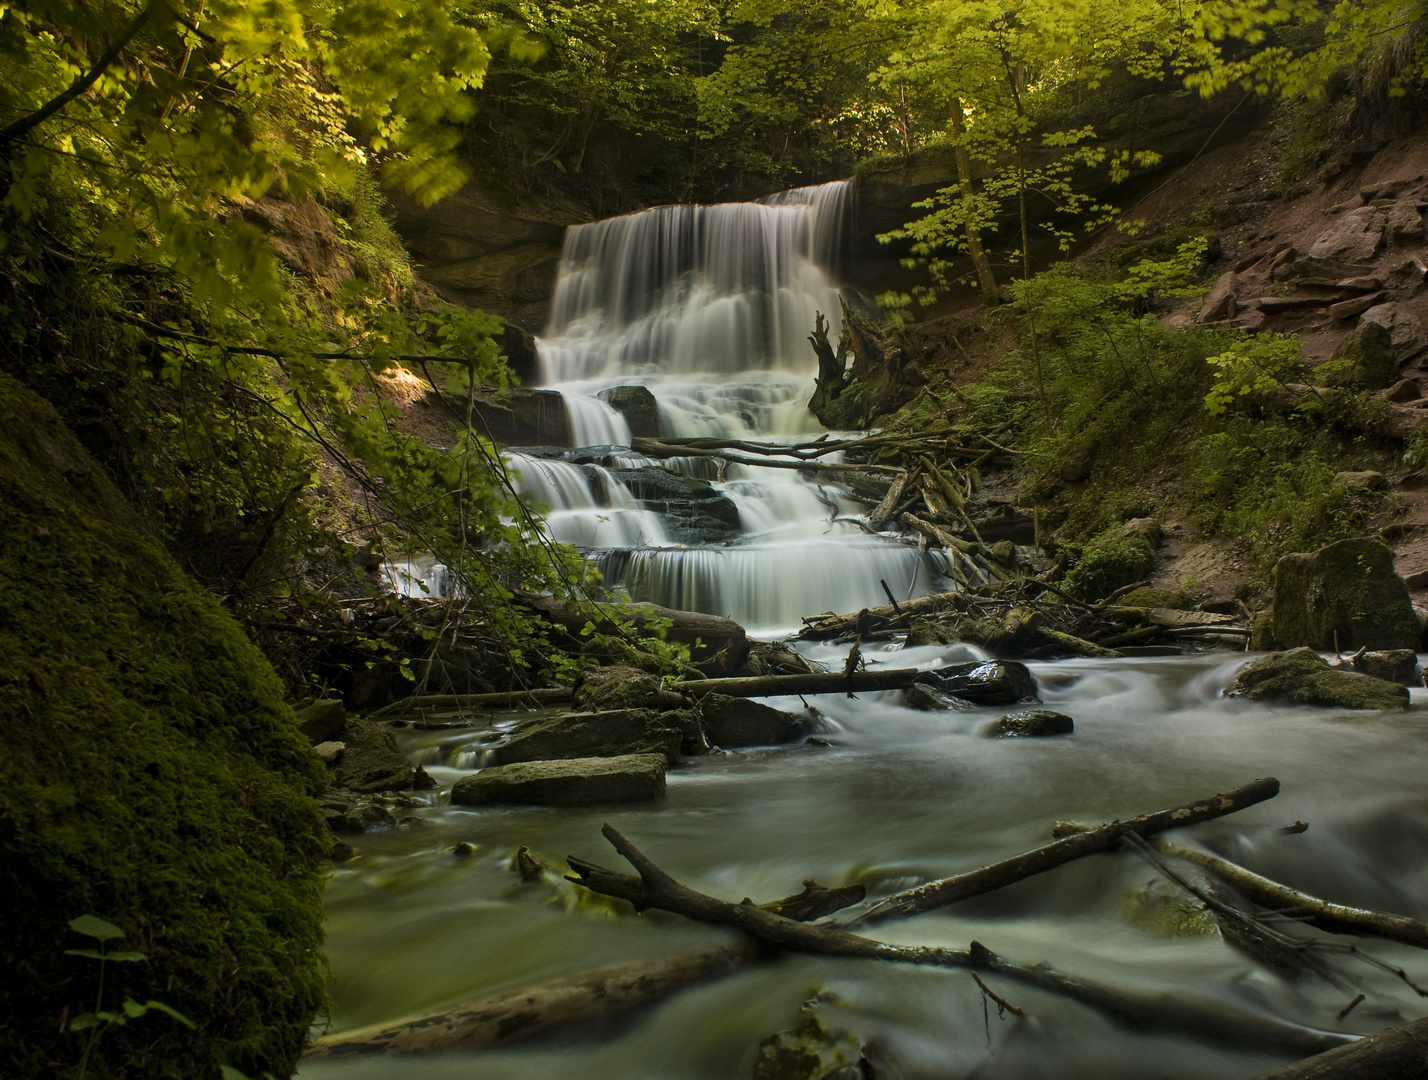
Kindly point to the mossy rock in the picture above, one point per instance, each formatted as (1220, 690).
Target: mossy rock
(1344, 596)
(1167, 911)
(927, 632)
(151, 775)
(370, 761)
(808, 1051)
(1366, 359)
(1113, 559)
(618, 686)
(1156, 598)
(637, 405)
(1262, 637)
(1304, 677)
(611, 733)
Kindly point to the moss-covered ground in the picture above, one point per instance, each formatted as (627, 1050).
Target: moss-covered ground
(151, 775)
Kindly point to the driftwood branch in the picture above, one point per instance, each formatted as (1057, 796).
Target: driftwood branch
(653, 888)
(938, 894)
(1395, 1054)
(1311, 910)
(821, 682)
(514, 1015)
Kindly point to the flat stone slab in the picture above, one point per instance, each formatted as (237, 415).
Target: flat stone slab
(612, 733)
(576, 782)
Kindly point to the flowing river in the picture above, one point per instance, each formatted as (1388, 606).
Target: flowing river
(708, 309)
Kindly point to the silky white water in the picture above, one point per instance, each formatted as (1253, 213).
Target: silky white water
(901, 797)
(708, 308)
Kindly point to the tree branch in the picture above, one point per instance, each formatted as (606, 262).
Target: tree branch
(26, 123)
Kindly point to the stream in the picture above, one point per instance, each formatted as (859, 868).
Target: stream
(708, 308)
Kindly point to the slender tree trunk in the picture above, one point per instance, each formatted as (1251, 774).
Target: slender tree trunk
(974, 233)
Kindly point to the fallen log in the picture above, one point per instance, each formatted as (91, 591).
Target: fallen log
(884, 510)
(425, 702)
(826, 627)
(1395, 1054)
(662, 449)
(653, 888)
(513, 1015)
(822, 682)
(509, 1016)
(1309, 909)
(947, 891)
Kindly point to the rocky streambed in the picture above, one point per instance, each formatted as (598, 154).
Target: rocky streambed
(457, 893)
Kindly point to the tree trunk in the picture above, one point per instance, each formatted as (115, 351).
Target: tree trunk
(983, 265)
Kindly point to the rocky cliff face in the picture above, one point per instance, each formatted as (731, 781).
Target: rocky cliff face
(490, 249)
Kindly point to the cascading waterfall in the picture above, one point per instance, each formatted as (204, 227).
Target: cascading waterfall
(709, 308)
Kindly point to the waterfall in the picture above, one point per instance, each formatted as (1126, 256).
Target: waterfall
(710, 307)
(695, 290)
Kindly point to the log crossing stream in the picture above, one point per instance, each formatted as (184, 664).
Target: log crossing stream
(708, 309)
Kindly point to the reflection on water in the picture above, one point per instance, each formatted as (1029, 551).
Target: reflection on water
(904, 796)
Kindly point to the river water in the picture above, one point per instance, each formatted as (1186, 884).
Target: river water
(708, 308)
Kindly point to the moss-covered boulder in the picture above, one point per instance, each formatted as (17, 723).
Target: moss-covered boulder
(1394, 665)
(1366, 359)
(928, 632)
(370, 761)
(1345, 595)
(615, 686)
(1113, 559)
(151, 775)
(1305, 678)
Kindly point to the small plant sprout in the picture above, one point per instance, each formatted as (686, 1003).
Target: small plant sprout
(100, 1020)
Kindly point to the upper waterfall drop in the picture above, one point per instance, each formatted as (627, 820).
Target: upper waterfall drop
(704, 291)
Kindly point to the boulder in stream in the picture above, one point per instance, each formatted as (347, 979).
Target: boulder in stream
(1306, 678)
(619, 686)
(1392, 665)
(1032, 723)
(927, 698)
(322, 720)
(637, 405)
(370, 760)
(732, 722)
(578, 782)
(988, 682)
(612, 733)
(810, 1051)
(1345, 595)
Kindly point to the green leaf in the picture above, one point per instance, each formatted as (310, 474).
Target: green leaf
(95, 927)
(134, 1009)
(84, 1021)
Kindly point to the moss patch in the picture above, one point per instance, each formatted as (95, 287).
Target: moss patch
(151, 775)
(1111, 560)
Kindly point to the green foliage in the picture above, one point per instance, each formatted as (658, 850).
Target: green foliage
(1251, 366)
(1272, 482)
(100, 1019)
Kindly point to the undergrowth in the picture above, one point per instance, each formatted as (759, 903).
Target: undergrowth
(1121, 416)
